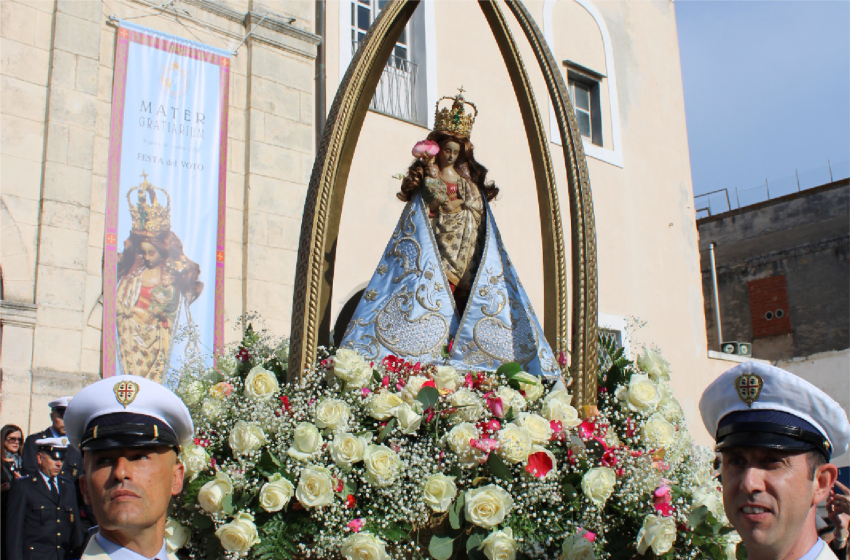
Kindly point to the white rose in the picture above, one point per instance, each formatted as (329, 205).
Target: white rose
(458, 440)
(657, 532)
(514, 443)
(469, 405)
(556, 406)
(408, 419)
(731, 549)
(640, 395)
(276, 493)
(191, 391)
(350, 366)
(439, 491)
(598, 484)
(316, 487)
(500, 545)
(653, 364)
(576, 547)
(446, 378)
(383, 405)
(658, 432)
(709, 496)
(531, 385)
(213, 493)
(246, 437)
(239, 535)
(332, 414)
(176, 535)
(212, 408)
(382, 465)
(511, 399)
(364, 546)
(348, 449)
(195, 459)
(559, 395)
(306, 440)
(412, 388)
(488, 506)
(668, 406)
(261, 384)
(538, 427)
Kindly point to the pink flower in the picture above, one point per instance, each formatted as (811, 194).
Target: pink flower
(485, 445)
(495, 404)
(356, 525)
(338, 486)
(631, 427)
(489, 427)
(586, 534)
(562, 359)
(385, 382)
(539, 464)
(609, 458)
(666, 510)
(425, 148)
(586, 429)
(365, 391)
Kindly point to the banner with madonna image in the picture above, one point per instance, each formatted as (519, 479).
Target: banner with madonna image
(163, 276)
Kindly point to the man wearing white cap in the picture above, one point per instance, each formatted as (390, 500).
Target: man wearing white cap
(776, 434)
(42, 520)
(73, 466)
(130, 430)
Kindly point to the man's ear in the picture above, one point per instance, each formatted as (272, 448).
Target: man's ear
(84, 489)
(825, 477)
(177, 482)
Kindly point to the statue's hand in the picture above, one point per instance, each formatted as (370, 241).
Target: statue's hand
(453, 206)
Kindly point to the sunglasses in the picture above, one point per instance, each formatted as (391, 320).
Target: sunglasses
(59, 412)
(15, 439)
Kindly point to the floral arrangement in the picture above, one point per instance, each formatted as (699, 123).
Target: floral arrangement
(371, 461)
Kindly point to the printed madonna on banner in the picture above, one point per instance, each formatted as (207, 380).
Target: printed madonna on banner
(164, 236)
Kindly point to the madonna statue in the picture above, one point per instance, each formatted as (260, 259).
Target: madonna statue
(154, 279)
(445, 285)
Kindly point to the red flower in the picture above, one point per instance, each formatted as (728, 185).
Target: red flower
(609, 458)
(350, 501)
(586, 429)
(429, 383)
(243, 355)
(285, 401)
(571, 457)
(489, 427)
(495, 404)
(666, 510)
(539, 464)
(562, 359)
(631, 427)
(338, 487)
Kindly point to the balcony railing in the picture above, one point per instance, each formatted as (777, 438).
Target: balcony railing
(397, 94)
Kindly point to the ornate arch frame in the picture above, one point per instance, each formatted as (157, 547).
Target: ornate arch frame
(323, 206)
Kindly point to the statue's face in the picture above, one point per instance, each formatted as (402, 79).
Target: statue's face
(448, 155)
(151, 255)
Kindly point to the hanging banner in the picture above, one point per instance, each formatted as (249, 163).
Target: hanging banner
(163, 276)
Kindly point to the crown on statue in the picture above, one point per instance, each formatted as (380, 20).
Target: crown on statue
(455, 120)
(149, 218)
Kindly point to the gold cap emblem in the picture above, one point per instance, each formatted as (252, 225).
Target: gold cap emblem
(749, 387)
(125, 392)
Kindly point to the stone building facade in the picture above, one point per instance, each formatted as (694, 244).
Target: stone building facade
(620, 59)
(783, 271)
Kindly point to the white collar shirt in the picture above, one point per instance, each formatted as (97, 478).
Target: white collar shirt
(118, 552)
(814, 551)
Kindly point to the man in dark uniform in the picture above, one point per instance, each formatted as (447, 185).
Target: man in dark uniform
(73, 466)
(43, 521)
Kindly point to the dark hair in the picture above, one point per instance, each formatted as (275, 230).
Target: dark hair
(9, 429)
(466, 167)
(170, 248)
(815, 459)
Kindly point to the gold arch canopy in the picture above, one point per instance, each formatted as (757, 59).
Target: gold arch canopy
(323, 207)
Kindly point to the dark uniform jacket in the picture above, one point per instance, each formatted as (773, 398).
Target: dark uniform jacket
(72, 469)
(37, 525)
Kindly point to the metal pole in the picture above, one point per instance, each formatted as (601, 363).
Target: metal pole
(830, 170)
(716, 297)
(738, 200)
(768, 189)
(798, 180)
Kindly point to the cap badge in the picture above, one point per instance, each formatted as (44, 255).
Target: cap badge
(749, 387)
(64, 441)
(125, 392)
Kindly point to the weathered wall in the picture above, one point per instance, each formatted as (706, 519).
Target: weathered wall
(56, 79)
(804, 237)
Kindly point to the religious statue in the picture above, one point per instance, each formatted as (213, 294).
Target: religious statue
(154, 279)
(445, 285)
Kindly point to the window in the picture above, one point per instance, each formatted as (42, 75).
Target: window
(399, 91)
(584, 92)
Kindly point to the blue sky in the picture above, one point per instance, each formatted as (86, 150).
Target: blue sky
(767, 90)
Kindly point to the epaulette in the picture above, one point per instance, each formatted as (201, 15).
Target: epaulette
(65, 478)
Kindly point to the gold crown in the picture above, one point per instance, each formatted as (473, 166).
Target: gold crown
(150, 218)
(455, 120)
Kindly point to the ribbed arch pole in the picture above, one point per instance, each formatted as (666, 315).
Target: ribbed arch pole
(323, 205)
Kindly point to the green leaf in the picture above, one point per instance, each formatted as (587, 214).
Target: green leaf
(741, 552)
(348, 487)
(441, 547)
(509, 416)
(456, 513)
(428, 396)
(474, 542)
(697, 517)
(376, 376)
(387, 430)
(227, 504)
(570, 491)
(201, 521)
(454, 518)
(509, 369)
(498, 468)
